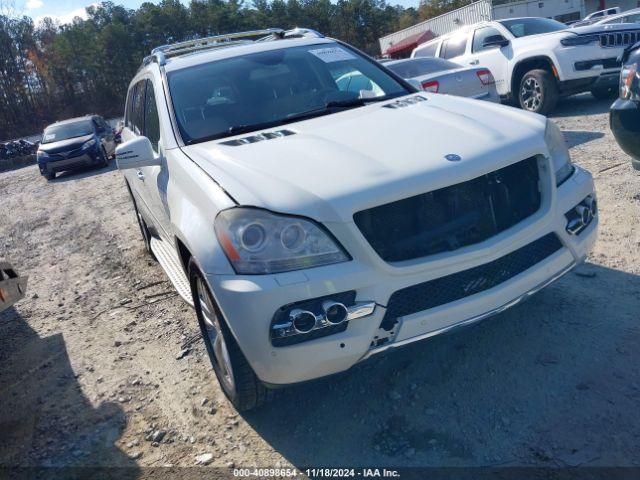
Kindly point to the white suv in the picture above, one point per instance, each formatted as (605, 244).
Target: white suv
(535, 61)
(314, 223)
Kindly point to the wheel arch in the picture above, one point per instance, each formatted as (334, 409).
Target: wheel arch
(531, 63)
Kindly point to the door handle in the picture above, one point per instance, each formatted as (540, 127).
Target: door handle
(474, 62)
(140, 175)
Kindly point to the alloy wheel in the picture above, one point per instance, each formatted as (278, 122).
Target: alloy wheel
(531, 94)
(215, 335)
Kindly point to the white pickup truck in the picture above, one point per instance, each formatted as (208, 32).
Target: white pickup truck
(535, 61)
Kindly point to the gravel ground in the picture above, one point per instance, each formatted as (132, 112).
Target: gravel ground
(101, 363)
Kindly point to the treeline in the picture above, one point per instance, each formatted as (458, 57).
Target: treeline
(50, 72)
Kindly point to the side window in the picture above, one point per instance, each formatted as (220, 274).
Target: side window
(479, 37)
(151, 122)
(137, 111)
(428, 51)
(453, 47)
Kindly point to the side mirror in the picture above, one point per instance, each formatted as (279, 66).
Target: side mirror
(136, 153)
(495, 41)
(415, 84)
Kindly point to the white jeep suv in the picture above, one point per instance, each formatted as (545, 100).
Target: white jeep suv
(535, 61)
(313, 225)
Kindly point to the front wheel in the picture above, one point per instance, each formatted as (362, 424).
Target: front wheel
(236, 377)
(49, 175)
(104, 159)
(538, 92)
(605, 93)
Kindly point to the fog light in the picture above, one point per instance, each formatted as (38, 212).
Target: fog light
(303, 321)
(579, 217)
(334, 312)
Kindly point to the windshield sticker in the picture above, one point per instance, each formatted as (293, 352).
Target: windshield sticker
(335, 54)
(49, 136)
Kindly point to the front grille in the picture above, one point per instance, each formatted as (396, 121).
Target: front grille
(441, 291)
(65, 156)
(619, 39)
(453, 217)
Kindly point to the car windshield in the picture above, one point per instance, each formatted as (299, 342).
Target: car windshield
(64, 131)
(523, 27)
(421, 66)
(275, 87)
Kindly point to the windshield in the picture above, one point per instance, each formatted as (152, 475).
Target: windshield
(523, 27)
(275, 87)
(55, 133)
(422, 66)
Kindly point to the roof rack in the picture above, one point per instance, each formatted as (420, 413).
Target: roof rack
(160, 54)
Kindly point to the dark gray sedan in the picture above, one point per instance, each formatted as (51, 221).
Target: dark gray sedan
(437, 75)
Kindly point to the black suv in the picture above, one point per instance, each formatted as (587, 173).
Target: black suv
(625, 112)
(75, 143)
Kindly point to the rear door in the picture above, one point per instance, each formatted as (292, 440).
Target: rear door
(496, 59)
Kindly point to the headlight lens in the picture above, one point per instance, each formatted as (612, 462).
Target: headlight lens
(629, 80)
(578, 40)
(41, 155)
(89, 143)
(560, 158)
(259, 242)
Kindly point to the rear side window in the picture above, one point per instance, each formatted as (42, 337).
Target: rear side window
(135, 115)
(428, 51)
(453, 47)
(151, 122)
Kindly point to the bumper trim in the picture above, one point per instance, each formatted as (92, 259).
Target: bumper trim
(477, 318)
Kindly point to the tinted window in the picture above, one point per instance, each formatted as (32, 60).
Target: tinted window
(632, 18)
(151, 122)
(523, 27)
(421, 66)
(454, 47)
(480, 36)
(428, 51)
(64, 131)
(264, 89)
(137, 109)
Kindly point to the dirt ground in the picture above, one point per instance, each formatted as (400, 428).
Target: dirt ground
(93, 367)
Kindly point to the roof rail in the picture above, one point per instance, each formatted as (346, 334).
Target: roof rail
(160, 54)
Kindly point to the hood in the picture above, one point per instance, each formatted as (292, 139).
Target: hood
(594, 29)
(65, 145)
(336, 165)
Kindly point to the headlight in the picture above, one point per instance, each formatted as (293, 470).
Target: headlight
(259, 242)
(40, 155)
(560, 158)
(88, 144)
(629, 78)
(578, 40)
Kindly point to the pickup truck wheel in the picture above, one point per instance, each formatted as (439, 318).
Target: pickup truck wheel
(605, 93)
(236, 377)
(538, 92)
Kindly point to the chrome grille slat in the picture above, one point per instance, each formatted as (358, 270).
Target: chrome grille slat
(619, 39)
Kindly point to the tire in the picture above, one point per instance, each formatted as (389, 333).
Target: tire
(538, 92)
(605, 93)
(237, 379)
(49, 175)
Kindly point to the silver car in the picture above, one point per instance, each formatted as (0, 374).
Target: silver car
(437, 75)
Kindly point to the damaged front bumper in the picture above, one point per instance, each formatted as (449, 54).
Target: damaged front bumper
(495, 275)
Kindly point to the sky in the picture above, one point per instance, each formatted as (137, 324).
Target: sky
(65, 10)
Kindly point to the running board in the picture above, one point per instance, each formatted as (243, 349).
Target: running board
(172, 267)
